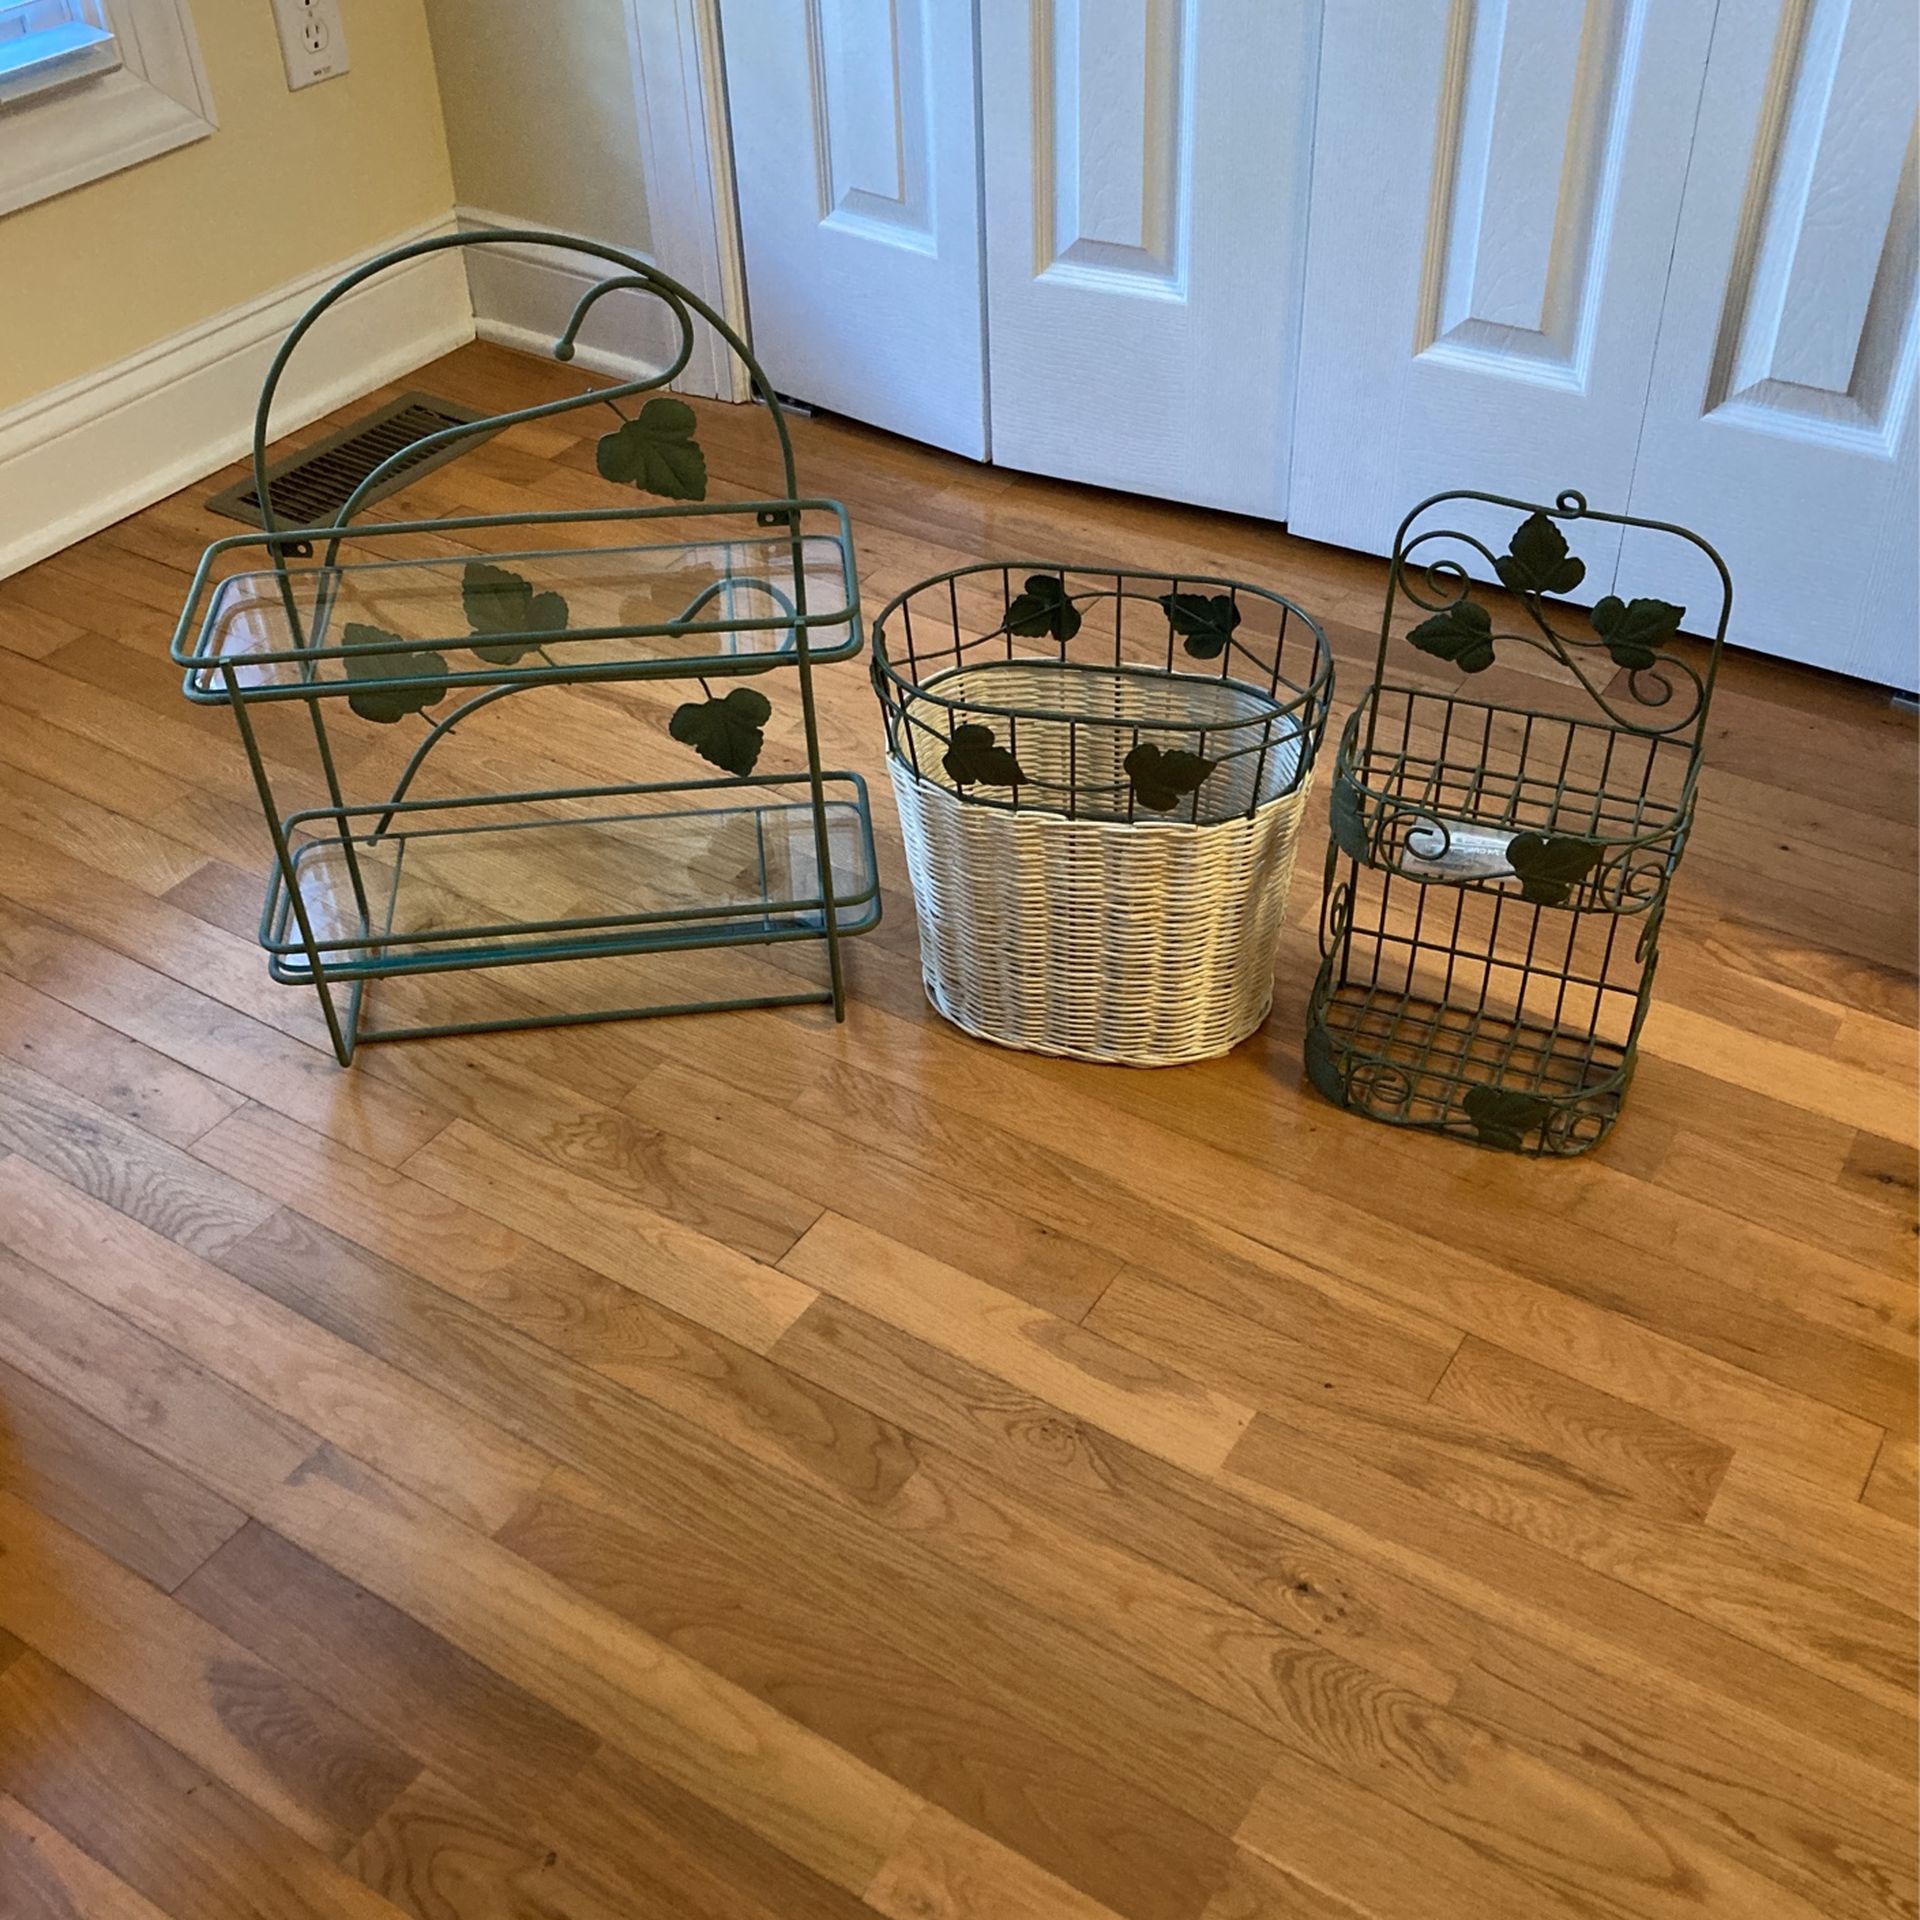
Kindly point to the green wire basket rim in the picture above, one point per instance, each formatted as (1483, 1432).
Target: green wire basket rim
(1318, 689)
(1344, 775)
(1274, 709)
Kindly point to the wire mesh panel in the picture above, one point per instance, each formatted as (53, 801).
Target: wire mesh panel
(1100, 778)
(1498, 868)
(1474, 1013)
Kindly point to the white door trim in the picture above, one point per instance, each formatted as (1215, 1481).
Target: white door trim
(680, 95)
(524, 293)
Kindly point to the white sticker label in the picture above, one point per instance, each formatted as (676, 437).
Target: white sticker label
(1455, 850)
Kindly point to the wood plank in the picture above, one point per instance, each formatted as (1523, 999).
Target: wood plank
(108, 841)
(1855, 1542)
(325, 1385)
(808, 1797)
(1418, 1262)
(1781, 1641)
(665, 1173)
(121, 1166)
(33, 634)
(944, 1869)
(1871, 1229)
(1659, 1464)
(1256, 1889)
(1882, 1168)
(285, 1748)
(1113, 1781)
(47, 1877)
(627, 1242)
(1835, 1835)
(129, 1503)
(1894, 1485)
(1539, 1428)
(511, 1780)
(922, 1208)
(673, 1383)
(1628, 1708)
(474, 1729)
(214, 1039)
(141, 1388)
(437, 1851)
(1128, 1394)
(188, 1843)
(124, 1078)
(64, 759)
(1853, 1095)
(1382, 1859)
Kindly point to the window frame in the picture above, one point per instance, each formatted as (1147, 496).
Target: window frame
(96, 50)
(80, 129)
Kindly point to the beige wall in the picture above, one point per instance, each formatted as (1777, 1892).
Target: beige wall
(541, 118)
(289, 183)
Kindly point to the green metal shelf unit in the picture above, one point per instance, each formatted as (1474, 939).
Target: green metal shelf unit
(365, 626)
(1498, 869)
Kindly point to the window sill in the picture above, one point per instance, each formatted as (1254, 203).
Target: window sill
(62, 138)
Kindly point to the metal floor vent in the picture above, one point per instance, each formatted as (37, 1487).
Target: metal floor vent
(310, 487)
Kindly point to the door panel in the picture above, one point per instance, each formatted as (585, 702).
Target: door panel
(1782, 416)
(855, 160)
(1145, 168)
(1496, 188)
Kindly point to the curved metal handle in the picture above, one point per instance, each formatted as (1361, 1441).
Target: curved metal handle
(635, 275)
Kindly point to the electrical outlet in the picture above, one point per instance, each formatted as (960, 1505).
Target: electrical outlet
(313, 43)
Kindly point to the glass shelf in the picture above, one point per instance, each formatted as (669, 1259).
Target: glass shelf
(437, 885)
(406, 623)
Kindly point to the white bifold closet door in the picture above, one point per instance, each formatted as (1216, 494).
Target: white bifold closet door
(1146, 168)
(1782, 418)
(1495, 191)
(1663, 251)
(856, 157)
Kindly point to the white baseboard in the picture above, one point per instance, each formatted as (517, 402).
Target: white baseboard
(89, 453)
(523, 295)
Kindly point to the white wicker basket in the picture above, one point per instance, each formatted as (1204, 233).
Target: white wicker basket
(1135, 940)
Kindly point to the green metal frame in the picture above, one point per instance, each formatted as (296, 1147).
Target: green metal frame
(297, 950)
(1497, 874)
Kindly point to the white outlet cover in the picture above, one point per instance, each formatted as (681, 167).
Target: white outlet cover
(313, 40)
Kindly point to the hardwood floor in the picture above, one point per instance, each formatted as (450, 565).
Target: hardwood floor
(739, 1468)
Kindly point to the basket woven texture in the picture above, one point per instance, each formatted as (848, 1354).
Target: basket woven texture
(1145, 942)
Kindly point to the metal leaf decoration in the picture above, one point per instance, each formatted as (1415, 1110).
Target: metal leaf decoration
(727, 731)
(372, 698)
(1537, 560)
(499, 601)
(974, 760)
(1161, 780)
(1346, 815)
(1323, 1066)
(1502, 1119)
(1462, 633)
(1204, 621)
(656, 451)
(1634, 630)
(1043, 610)
(1550, 866)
